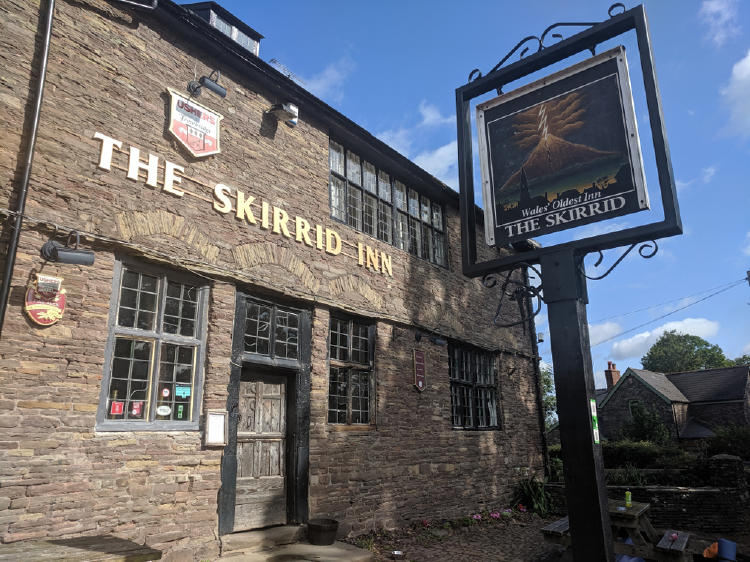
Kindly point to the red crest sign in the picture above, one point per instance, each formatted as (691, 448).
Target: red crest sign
(419, 370)
(196, 126)
(44, 309)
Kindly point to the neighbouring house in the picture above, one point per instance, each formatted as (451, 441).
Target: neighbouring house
(691, 404)
(271, 328)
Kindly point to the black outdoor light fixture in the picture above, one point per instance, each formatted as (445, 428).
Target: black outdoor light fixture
(437, 340)
(195, 86)
(63, 253)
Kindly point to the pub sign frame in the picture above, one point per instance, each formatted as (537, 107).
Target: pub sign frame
(633, 19)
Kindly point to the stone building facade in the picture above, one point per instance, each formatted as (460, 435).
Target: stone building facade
(250, 282)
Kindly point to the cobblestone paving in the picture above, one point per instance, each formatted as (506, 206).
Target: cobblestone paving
(512, 541)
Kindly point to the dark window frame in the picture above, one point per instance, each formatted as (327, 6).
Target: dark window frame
(158, 337)
(355, 217)
(466, 387)
(276, 308)
(350, 369)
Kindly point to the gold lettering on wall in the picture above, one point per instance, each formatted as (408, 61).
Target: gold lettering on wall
(225, 200)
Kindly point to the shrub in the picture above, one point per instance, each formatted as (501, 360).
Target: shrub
(646, 425)
(532, 492)
(730, 440)
(629, 475)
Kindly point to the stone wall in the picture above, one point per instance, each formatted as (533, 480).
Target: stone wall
(616, 411)
(108, 72)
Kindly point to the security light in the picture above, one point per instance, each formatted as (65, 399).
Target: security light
(287, 112)
(62, 253)
(195, 86)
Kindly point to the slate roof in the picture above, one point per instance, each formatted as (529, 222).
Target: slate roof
(711, 385)
(661, 384)
(695, 430)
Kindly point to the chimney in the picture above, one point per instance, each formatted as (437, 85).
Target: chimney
(612, 375)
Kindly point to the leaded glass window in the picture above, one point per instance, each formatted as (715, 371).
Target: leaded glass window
(156, 345)
(271, 330)
(350, 383)
(373, 202)
(473, 388)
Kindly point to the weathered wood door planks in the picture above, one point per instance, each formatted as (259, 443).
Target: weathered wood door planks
(261, 442)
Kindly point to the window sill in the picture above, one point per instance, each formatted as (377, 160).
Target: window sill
(145, 426)
(352, 427)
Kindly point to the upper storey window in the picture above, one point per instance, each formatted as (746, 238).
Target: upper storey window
(373, 202)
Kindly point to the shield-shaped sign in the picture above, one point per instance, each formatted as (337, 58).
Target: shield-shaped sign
(196, 126)
(44, 309)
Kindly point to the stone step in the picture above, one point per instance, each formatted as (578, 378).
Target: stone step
(261, 539)
(300, 552)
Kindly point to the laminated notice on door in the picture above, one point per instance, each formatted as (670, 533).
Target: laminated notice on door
(594, 420)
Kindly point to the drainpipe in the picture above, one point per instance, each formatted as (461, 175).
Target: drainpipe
(10, 260)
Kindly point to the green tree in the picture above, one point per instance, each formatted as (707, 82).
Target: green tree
(646, 425)
(743, 360)
(549, 401)
(674, 352)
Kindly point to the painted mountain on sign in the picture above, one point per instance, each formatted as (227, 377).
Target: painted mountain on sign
(555, 165)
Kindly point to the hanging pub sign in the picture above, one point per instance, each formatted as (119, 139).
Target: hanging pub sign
(196, 126)
(561, 152)
(45, 300)
(419, 370)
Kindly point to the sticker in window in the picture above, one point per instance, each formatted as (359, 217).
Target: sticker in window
(116, 408)
(182, 391)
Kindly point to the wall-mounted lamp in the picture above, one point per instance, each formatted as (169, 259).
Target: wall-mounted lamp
(54, 251)
(539, 337)
(195, 86)
(287, 112)
(437, 340)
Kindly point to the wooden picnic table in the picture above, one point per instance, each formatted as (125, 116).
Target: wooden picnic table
(630, 522)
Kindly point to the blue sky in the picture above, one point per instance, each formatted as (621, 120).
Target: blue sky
(393, 67)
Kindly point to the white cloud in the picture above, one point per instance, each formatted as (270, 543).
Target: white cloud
(441, 163)
(720, 17)
(746, 349)
(431, 115)
(638, 345)
(683, 184)
(746, 246)
(600, 332)
(398, 139)
(737, 96)
(708, 173)
(604, 227)
(328, 84)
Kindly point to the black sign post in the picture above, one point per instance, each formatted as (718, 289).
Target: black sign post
(545, 196)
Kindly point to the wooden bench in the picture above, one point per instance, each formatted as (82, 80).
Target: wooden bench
(558, 532)
(675, 548)
(79, 549)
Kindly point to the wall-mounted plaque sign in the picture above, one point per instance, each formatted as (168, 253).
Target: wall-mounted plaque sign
(419, 370)
(196, 126)
(45, 300)
(561, 152)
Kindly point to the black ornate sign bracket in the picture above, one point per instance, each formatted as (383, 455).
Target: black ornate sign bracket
(620, 21)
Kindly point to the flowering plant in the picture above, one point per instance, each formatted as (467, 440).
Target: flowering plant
(507, 512)
(521, 508)
(425, 523)
(476, 517)
(495, 514)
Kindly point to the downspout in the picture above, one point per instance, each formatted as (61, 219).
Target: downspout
(10, 260)
(537, 378)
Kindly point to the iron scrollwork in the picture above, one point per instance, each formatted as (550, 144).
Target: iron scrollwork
(646, 250)
(614, 10)
(515, 290)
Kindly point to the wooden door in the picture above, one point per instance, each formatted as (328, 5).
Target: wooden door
(261, 442)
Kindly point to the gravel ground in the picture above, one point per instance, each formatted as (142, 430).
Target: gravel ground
(515, 540)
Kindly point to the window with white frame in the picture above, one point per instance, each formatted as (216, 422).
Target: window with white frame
(351, 381)
(473, 388)
(373, 202)
(156, 343)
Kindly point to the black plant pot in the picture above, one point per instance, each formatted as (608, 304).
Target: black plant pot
(322, 531)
